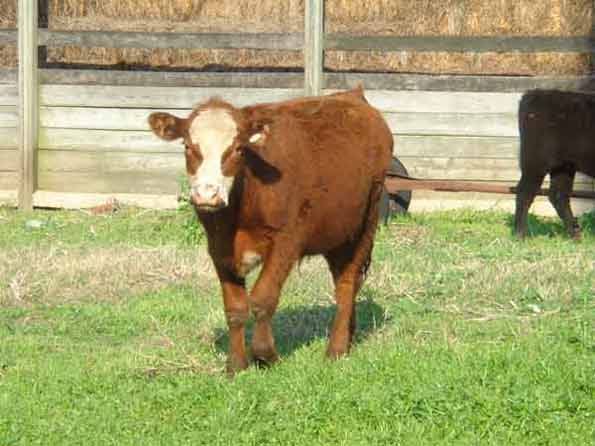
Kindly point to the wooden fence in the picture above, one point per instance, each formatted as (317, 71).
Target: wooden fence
(82, 136)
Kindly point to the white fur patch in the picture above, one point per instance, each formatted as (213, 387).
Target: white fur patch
(250, 260)
(214, 131)
(256, 137)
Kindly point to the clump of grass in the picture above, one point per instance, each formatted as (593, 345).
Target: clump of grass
(191, 227)
(587, 222)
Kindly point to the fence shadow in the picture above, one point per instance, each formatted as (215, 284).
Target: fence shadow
(297, 326)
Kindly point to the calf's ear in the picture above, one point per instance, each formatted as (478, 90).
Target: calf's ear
(258, 135)
(167, 126)
(255, 124)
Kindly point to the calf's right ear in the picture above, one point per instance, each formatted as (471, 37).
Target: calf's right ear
(167, 126)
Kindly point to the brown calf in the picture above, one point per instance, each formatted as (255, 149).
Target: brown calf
(272, 183)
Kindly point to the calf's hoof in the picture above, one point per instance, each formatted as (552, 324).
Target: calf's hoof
(575, 231)
(236, 364)
(335, 352)
(264, 356)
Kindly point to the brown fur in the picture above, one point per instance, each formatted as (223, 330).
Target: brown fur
(310, 185)
(557, 132)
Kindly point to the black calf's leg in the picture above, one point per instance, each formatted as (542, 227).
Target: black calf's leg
(526, 190)
(559, 195)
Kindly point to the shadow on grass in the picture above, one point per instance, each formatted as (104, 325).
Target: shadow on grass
(553, 226)
(296, 326)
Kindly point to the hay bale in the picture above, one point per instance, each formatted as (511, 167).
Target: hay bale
(363, 17)
(8, 13)
(460, 17)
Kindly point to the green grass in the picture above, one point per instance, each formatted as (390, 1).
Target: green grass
(112, 332)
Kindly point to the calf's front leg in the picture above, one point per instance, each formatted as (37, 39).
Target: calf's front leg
(236, 313)
(264, 299)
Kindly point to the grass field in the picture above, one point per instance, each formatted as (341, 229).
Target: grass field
(112, 332)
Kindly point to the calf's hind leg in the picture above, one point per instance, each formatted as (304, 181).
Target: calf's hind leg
(348, 265)
(347, 278)
(559, 195)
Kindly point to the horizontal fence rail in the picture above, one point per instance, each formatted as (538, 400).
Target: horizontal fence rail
(8, 36)
(473, 83)
(268, 41)
(335, 81)
(171, 79)
(295, 41)
(471, 44)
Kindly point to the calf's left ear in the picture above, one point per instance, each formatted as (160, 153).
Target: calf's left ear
(256, 126)
(258, 135)
(167, 126)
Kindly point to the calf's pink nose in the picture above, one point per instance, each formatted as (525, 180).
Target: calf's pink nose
(207, 190)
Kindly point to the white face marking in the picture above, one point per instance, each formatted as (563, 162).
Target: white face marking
(250, 260)
(214, 131)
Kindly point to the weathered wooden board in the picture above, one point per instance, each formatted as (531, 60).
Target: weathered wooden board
(425, 201)
(102, 140)
(428, 146)
(371, 81)
(186, 97)
(122, 39)
(477, 169)
(295, 41)
(460, 124)
(155, 97)
(440, 101)
(98, 118)
(116, 162)
(8, 138)
(8, 36)
(9, 180)
(405, 146)
(470, 44)
(169, 79)
(28, 82)
(8, 76)
(462, 83)
(8, 116)
(432, 146)
(313, 45)
(400, 123)
(394, 184)
(112, 182)
(106, 172)
(9, 94)
(74, 200)
(9, 160)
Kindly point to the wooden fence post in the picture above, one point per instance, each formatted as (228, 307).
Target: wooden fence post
(313, 46)
(28, 101)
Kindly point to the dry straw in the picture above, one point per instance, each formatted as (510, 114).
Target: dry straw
(364, 17)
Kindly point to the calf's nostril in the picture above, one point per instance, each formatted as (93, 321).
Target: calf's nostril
(207, 191)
